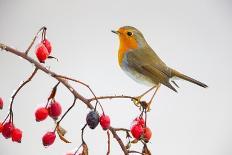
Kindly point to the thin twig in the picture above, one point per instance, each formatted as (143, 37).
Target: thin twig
(108, 142)
(33, 41)
(113, 97)
(132, 151)
(16, 92)
(58, 123)
(121, 129)
(82, 134)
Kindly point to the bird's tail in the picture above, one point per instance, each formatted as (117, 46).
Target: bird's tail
(185, 77)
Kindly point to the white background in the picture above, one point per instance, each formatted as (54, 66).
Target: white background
(193, 37)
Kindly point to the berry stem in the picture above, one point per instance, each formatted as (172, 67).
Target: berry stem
(82, 134)
(35, 37)
(58, 123)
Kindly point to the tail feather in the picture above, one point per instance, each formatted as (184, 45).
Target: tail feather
(185, 77)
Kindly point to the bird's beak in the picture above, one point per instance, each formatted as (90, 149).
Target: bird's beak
(116, 32)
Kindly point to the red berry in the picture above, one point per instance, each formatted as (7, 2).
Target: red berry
(49, 138)
(41, 52)
(105, 122)
(16, 135)
(1, 103)
(1, 127)
(41, 114)
(48, 45)
(139, 121)
(7, 130)
(54, 110)
(137, 131)
(147, 134)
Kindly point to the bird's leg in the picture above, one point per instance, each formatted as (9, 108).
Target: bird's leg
(138, 98)
(149, 103)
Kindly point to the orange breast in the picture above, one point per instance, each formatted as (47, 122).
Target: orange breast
(126, 44)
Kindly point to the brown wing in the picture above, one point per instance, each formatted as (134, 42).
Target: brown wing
(146, 62)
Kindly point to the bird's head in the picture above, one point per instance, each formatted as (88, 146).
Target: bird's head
(130, 38)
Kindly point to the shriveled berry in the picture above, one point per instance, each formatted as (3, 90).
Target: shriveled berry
(41, 114)
(105, 122)
(41, 52)
(48, 45)
(92, 119)
(1, 127)
(49, 138)
(16, 135)
(1, 103)
(138, 121)
(137, 131)
(7, 129)
(147, 134)
(54, 110)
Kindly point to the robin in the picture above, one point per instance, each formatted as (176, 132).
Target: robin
(138, 60)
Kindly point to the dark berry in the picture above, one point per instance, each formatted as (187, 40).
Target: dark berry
(92, 119)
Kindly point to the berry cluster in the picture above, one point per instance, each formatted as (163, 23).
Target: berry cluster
(53, 110)
(43, 50)
(9, 130)
(139, 130)
(93, 120)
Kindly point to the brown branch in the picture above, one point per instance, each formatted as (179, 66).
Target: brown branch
(113, 97)
(119, 140)
(108, 142)
(132, 151)
(121, 129)
(19, 88)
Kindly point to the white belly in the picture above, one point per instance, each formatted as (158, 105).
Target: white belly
(140, 78)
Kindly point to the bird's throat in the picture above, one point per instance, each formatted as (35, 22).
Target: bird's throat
(126, 45)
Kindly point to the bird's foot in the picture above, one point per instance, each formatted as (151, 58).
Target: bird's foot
(137, 101)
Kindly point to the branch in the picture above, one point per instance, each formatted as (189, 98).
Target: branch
(119, 140)
(49, 72)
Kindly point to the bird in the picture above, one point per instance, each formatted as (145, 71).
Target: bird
(140, 62)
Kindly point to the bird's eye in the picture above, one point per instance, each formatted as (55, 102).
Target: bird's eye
(129, 33)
